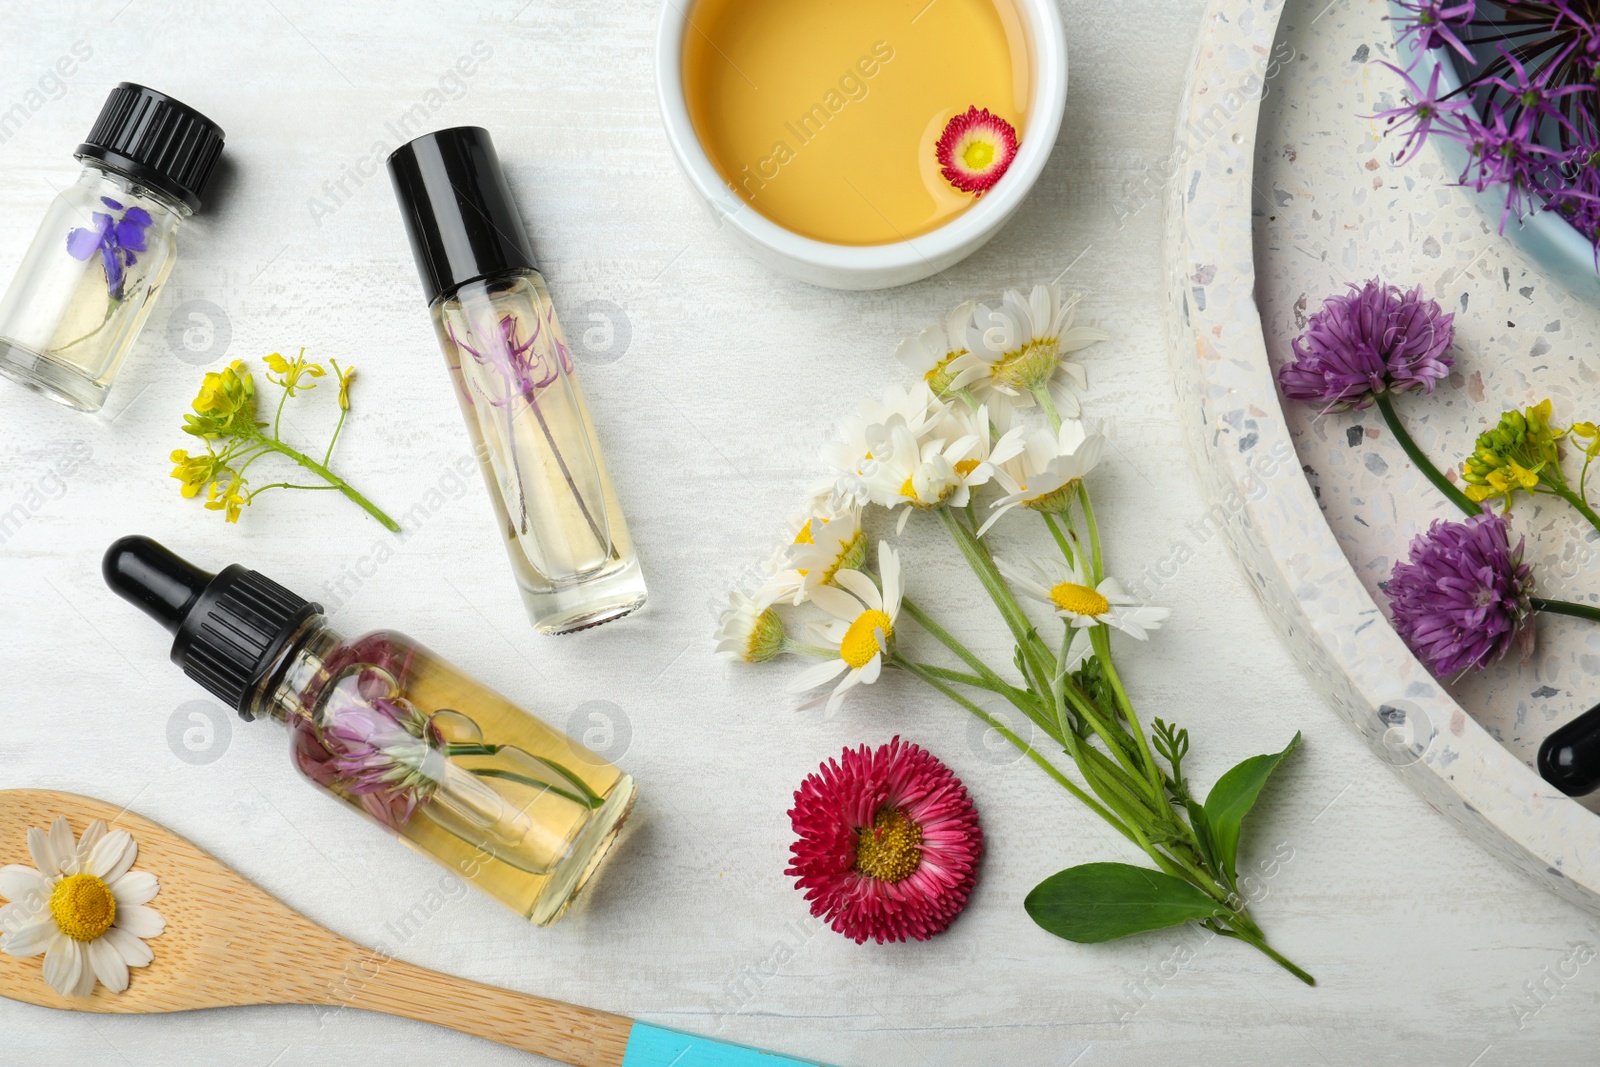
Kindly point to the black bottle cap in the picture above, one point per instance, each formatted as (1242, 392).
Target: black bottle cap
(156, 141)
(458, 210)
(230, 628)
(1569, 759)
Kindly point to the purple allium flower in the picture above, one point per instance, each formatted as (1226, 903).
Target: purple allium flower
(1462, 599)
(1426, 114)
(1531, 74)
(117, 240)
(1434, 23)
(1374, 339)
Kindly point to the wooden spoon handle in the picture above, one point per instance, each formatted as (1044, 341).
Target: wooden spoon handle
(583, 1037)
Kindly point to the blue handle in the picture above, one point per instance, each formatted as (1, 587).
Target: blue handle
(651, 1046)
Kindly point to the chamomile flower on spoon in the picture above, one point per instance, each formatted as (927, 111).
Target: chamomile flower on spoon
(83, 907)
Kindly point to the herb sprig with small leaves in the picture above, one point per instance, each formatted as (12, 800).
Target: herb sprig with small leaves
(224, 418)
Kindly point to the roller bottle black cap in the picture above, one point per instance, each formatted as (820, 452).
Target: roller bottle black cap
(1569, 759)
(229, 628)
(458, 210)
(156, 141)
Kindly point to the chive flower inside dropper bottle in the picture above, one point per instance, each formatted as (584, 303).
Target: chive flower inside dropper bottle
(455, 770)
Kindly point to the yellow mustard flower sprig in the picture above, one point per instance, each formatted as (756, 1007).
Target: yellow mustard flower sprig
(1587, 436)
(224, 417)
(1523, 453)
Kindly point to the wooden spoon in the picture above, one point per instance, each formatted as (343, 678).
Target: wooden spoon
(228, 943)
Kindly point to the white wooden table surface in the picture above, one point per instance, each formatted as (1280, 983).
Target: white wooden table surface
(1427, 950)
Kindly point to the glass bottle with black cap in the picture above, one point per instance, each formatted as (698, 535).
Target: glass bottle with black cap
(106, 246)
(514, 378)
(454, 769)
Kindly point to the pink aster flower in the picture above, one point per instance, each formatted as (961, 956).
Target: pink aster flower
(975, 150)
(1463, 598)
(888, 843)
(1374, 339)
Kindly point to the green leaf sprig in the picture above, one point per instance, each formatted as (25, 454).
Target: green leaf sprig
(224, 417)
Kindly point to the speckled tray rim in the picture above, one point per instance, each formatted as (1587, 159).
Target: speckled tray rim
(1237, 434)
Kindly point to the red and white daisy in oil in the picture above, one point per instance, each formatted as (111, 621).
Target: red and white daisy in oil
(975, 149)
(888, 843)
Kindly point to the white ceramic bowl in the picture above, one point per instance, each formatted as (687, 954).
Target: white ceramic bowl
(871, 266)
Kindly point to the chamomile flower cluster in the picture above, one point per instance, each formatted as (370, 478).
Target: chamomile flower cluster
(978, 433)
(989, 428)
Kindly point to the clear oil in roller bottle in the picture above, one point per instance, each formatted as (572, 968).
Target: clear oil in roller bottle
(514, 379)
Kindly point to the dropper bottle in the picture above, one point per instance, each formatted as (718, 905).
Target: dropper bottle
(454, 769)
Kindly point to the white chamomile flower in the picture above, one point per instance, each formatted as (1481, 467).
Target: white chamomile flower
(979, 463)
(1021, 345)
(929, 354)
(749, 628)
(1066, 589)
(921, 474)
(864, 437)
(823, 545)
(1045, 473)
(861, 632)
(84, 908)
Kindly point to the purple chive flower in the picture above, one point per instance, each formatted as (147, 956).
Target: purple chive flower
(382, 750)
(1377, 338)
(1463, 598)
(117, 240)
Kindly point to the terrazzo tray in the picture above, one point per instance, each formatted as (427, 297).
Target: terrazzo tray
(1281, 193)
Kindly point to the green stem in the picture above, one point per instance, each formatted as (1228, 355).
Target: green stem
(522, 779)
(997, 684)
(1026, 749)
(328, 476)
(1039, 672)
(111, 307)
(1061, 538)
(1041, 393)
(467, 748)
(1578, 502)
(800, 648)
(1416, 455)
(1566, 607)
(284, 485)
(338, 426)
(1101, 639)
(1260, 944)
(1099, 572)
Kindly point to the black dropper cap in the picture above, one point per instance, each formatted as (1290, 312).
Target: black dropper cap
(458, 210)
(1569, 759)
(156, 141)
(230, 628)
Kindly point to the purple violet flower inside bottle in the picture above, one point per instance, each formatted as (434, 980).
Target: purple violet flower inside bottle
(106, 246)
